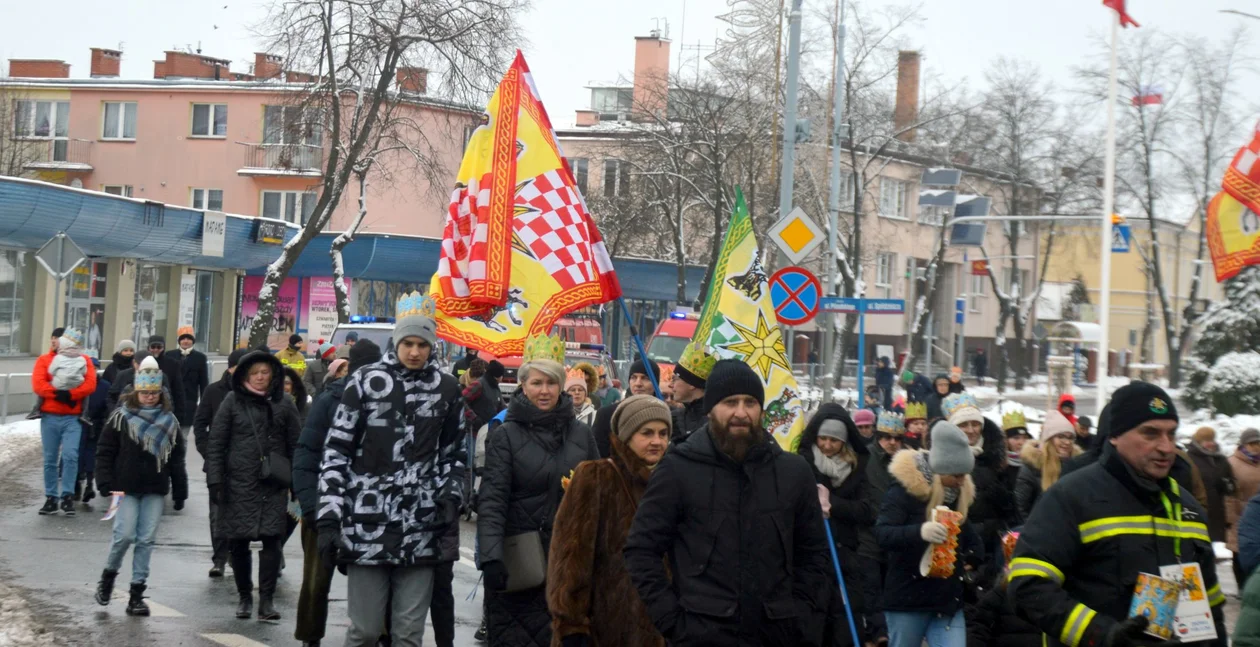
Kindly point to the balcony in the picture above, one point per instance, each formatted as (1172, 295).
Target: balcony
(71, 155)
(281, 160)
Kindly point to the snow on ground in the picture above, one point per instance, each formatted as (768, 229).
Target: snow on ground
(18, 627)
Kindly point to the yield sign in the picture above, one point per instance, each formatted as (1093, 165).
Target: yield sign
(795, 293)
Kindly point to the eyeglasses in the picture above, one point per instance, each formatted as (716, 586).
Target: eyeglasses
(156, 347)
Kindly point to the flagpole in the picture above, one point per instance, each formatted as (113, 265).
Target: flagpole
(1109, 190)
(638, 341)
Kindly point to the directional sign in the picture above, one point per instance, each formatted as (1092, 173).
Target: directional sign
(850, 305)
(797, 235)
(60, 256)
(1120, 237)
(795, 293)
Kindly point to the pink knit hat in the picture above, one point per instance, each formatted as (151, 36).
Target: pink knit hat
(864, 417)
(1055, 424)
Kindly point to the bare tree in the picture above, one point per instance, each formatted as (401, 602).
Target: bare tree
(354, 48)
(18, 146)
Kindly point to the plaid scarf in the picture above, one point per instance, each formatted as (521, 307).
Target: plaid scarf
(152, 428)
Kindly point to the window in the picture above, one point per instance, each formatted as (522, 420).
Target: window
(884, 264)
(209, 120)
(288, 205)
(976, 293)
(12, 271)
(933, 215)
(119, 121)
(41, 118)
(1020, 226)
(611, 103)
(292, 125)
(118, 189)
(846, 191)
(892, 198)
(616, 178)
(579, 166)
(208, 199)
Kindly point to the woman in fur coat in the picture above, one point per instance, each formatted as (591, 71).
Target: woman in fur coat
(1043, 460)
(589, 592)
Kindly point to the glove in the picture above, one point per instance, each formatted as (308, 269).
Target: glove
(218, 495)
(179, 504)
(933, 532)
(326, 545)
(575, 640)
(496, 575)
(63, 396)
(1130, 633)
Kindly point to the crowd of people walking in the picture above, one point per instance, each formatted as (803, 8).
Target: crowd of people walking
(607, 521)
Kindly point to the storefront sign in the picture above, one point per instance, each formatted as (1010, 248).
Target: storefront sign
(284, 320)
(187, 298)
(269, 233)
(321, 307)
(213, 232)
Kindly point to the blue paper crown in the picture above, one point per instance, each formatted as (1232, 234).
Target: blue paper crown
(148, 380)
(890, 422)
(958, 401)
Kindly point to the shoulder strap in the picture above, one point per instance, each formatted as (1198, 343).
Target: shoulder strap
(262, 449)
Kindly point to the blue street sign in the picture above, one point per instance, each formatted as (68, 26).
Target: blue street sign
(850, 305)
(1120, 238)
(960, 306)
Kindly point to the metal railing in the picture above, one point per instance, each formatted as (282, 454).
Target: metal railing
(214, 366)
(55, 153)
(284, 157)
(4, 397)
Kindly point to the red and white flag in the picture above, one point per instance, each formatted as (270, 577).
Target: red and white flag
(1125, 18)
(1149, 95)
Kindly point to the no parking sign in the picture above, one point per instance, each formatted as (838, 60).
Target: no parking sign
(795, 293)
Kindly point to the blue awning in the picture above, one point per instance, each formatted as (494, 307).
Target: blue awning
(103, 225)
(413, 259)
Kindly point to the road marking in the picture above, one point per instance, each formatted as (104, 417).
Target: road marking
(232, 640)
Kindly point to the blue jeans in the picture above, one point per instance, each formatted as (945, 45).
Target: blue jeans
(909, 629)
(60, 435)
(136, 523)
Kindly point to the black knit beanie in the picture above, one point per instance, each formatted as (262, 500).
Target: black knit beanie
(235, 357)
(364, 352)
(639, 367)
(495, 369)
(295, 339)
(689, 377)
(732, 377)
(1139, 402)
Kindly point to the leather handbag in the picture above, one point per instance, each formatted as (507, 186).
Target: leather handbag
(525, 561)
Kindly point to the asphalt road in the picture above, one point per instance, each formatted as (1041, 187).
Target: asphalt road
(55, 561)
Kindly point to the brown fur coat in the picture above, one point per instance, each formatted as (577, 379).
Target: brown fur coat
(588, 588)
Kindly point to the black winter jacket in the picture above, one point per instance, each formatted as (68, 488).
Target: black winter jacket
(934, 398)
(211, 399)
(97, 410)
(395, 439)
(194, 377)
(123, 465)
(526, 458)
(310, 448)
(170, 381)
(488, 401)
(852, 510)
(745, 542)
(994, 510)
(117, 365)
(992, 623)
(252, 509)
(602, 427)
(1218, 479)
(918, 389)
(686, 419)
(1081, 549)
(902, 513)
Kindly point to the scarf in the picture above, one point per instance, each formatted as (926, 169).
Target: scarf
(152, 428)
(185, 351)
(1013, 459)
(978, 448)
(1254, 458)
(833, 467)
(925, 468)
(251, 389)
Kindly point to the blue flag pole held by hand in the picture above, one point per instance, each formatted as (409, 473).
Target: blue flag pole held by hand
(844, 592)
(634, 332)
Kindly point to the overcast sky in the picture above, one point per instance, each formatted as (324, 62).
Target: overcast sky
(576, 42)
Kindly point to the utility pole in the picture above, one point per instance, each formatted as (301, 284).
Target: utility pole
(838, 133)
(786, 179)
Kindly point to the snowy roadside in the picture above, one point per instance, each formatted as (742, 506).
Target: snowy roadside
(19, 441)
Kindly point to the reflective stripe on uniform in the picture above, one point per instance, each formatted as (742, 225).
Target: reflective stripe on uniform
(1215, 597)
(1142, 525)
(1027, 567)
(1074, 627)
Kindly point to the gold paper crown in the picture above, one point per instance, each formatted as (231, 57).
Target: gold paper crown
(916, 411)
(575, 374)
(548, 347)
(1014, 420)
(698, 360)
(415, 303)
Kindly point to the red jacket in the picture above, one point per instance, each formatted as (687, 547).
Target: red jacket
(42, 385)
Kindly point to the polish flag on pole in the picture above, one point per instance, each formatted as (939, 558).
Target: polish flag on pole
(1149, 95)
(1125, 18)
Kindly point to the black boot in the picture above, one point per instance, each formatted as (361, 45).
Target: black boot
(105, 587)
(88, 492)
(216, 569)
(67, 505)
(267, 610)
(242, 568)
(481, 632)
(136, 605)
(245, 608)
(268, 572)
(50, 506)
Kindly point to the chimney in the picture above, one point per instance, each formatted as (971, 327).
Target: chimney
(906, 112)
(651, 74)
(267, 66)
(190, 66)
(105, 63)
(587, 118)
(412, 79)
(29, 68)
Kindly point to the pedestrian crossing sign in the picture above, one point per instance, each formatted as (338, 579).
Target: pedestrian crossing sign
(1120, 238)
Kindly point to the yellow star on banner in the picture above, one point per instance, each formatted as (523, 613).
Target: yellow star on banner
(762, 348)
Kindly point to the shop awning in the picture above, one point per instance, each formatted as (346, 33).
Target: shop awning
(413, 259)
(103, 225)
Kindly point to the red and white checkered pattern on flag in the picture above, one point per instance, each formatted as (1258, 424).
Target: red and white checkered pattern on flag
(463, 238)
(556, 229)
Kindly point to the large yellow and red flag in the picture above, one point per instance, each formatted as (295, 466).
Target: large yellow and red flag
(1233, 226)
(520, 249)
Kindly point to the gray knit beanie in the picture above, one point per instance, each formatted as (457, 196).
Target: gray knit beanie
(950, 452)
(832, 428)
(415, 326)
(125, 344)
(637, 410)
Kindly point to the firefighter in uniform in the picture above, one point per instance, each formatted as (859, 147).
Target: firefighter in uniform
(1096, 529)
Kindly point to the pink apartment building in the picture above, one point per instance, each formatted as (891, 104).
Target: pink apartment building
(200, 136)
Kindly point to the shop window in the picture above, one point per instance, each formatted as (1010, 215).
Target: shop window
(12, 273)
